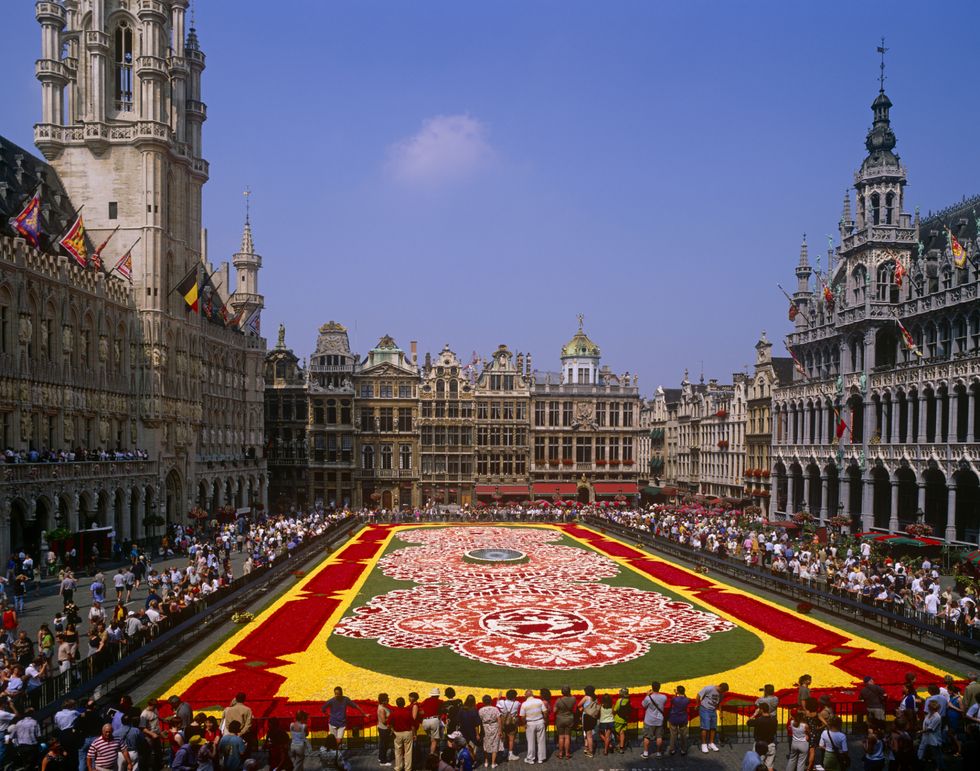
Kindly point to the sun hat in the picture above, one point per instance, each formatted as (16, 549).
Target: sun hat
(434, 692)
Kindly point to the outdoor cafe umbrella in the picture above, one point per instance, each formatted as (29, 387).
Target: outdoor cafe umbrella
(973, 558)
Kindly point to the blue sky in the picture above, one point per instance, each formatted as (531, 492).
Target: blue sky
(478, 173)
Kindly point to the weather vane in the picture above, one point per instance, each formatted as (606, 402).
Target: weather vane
(581, 321)
(247, 193)
(881, 78)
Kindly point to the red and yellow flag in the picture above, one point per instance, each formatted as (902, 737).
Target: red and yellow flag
(97, 254)
(959, 253)
(828, 296)
(74, 242)
(27, 223)
(899, 272)
(907, 338)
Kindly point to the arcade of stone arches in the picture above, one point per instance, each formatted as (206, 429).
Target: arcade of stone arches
(129, 506)
(883, 497)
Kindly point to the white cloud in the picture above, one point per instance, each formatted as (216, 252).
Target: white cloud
(445, 149)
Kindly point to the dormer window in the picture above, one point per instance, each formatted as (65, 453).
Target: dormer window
(875, 209)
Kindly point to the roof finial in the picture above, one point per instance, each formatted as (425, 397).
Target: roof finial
(581, 321)
(881, 78)
(247, 193)
(193, 15)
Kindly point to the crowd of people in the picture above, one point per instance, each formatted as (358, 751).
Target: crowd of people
(69, 455)
(124, 607)
(860, 569)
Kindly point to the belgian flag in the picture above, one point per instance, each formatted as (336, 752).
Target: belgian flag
(189, 289)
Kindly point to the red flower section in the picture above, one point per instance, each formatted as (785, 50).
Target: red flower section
(292, 627)
(335, 577)
(359, 551)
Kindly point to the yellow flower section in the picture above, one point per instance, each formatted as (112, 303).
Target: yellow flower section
(312, 675)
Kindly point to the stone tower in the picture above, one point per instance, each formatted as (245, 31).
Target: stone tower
(121, 117)
(246, 298)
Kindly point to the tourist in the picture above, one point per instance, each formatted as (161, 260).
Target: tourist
(403, 728)
(873, 696)
(588, 706)
(654, 705)
(296, 743)
(464, 758)
(607, 722)
(709, 699)
(534, 713)
(509, 708)
(337, 708)
(764, 729)
(931, 740)
(184, 758)
(677, 720)
(874, 750)
(469, 722)
(833, 742)
(799, 748)
(385, 739)
(240, 713)
(103, 752)
(432, 725)
(491, 729)
(128, 735)
(753, 757)
(57, 758)
(803, 689)
(622, 717)
(450, 710)
(232, 748)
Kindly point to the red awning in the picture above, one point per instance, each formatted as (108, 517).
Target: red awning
(555, 488)
(502, 490)
(615, 488)
(668, 490)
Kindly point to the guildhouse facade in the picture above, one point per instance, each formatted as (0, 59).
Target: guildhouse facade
(880, 423)
(447, 433)
(105, 360)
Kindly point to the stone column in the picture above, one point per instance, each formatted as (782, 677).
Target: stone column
(893, 518)
(124, 531)
(971, 401)
(869, 420)
(923, 415)
(951, 512)
(867, 503)
(140, 513)
(844, 487)
(824, 492)
(894, 417)
(790, 492)
(806, 490)
(910, 436)
(922, 497)
(4, 529)
(953, 400)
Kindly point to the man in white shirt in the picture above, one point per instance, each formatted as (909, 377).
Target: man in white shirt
(534, 713)
(654, 704)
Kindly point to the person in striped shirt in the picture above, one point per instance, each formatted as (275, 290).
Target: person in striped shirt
(104, 752)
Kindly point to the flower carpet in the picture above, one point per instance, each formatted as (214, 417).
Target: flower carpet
(484, 608)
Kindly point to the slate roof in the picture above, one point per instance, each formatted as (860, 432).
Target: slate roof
(960, 218)
(20, 174)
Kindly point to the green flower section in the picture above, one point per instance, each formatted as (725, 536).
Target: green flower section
(664, 662)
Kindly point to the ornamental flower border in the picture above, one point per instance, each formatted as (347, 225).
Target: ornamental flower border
(279, 655)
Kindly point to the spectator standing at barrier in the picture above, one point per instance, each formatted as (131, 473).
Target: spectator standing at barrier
(238, 711)
(654, 705)
(337, 709)
(403, 729)
(678, 719)
(764, 729)
(930, 743)
(753, 758)
(799, 748)
(232, 748)
(534, 714)
(385, 738)
(873, 696)
(510, 708)
(709, 699)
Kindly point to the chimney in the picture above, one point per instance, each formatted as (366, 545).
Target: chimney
(415, 352)
(527, 363)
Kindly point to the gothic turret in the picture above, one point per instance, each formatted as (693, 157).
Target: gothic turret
(246, 298)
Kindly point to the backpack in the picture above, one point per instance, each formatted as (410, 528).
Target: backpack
(508, 717)
(592, 708)
(623, 709)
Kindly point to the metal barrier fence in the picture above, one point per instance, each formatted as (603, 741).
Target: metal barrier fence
(921, 633)
(171, 633)
(734, 727)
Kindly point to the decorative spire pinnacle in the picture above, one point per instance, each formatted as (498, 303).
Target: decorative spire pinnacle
(248, 246)
(881, 78)
(581, 321)
(804, 261)
(846, 216)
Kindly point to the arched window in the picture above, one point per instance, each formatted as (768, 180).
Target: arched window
(875, 209)
(859, 278)
(453, 389)
(889, 208)
(947, 277)
(440, 387)
(887, 291)
(367, 457)
(386, 456)
(124, 67)
(405, 457)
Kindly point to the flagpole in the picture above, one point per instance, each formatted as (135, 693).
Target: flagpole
(192, 270)
(124, 255)
(793, 303)
(74, 218)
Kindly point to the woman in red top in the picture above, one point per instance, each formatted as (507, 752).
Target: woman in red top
(9, 620)
(212, 733)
